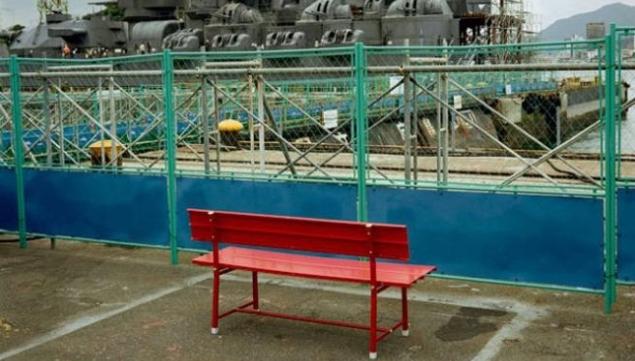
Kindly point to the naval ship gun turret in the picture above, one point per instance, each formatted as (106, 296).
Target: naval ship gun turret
(328, 23)
(150, 22)
(334, 20)
(283, 32)
(295, 24)
(235, 26)
(420, 22)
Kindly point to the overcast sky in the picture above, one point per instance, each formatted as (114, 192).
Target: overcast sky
(547, 11)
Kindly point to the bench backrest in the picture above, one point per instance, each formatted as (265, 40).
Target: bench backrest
(301, 234)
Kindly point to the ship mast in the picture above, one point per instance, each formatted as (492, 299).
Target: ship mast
(46, 7)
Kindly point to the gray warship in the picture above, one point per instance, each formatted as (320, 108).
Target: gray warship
(222, 25)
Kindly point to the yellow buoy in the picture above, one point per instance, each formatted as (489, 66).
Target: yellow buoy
(230, 125)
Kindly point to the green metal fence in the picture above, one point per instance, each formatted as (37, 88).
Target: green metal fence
(499, 117)
(526, 118)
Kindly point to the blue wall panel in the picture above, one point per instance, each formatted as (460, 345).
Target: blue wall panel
(539, 239)
(8, 200)
(113, 207)
(550, 240)
(281, 198)
(626, 235)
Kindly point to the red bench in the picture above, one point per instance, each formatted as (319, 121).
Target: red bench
(369, 240)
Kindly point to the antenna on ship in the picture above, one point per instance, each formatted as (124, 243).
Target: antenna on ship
(46, 7)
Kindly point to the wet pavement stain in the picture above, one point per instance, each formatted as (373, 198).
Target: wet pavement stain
(467, 324)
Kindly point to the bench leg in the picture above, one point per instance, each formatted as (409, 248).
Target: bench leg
(215, 299)
(405, 327)
(254, 289)
(372, 347)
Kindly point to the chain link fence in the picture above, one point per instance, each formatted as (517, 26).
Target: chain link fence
(497, 115)
(625, 129)
(500, 116)
(6, 152)
(91, 114)
(266, 114)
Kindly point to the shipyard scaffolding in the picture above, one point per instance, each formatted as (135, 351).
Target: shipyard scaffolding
(497, 22)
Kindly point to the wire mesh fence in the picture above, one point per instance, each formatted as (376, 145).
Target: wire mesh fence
(266, 113)
(625, 129)
(6, 152)
(496, 115)
(96, 114)
(501, 116)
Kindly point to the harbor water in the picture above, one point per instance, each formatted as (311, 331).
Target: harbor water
(626, 128)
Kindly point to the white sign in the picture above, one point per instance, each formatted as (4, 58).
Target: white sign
(330, 118)
(508, 89)
(105, 94)
(458, 102)
(394, 80)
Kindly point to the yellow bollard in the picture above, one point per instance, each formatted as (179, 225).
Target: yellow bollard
(96, 149)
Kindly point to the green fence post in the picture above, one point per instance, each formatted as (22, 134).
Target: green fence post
(360, 129)
(18, 151)
(170, 144)
(610, 201)
(619, 100)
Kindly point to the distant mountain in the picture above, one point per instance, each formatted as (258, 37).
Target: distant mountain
(621, 14)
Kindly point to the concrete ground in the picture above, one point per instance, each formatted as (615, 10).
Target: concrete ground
(95, 302)
(491, 169)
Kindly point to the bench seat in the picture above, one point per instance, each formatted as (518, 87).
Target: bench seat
(337, 269)
(312, 248)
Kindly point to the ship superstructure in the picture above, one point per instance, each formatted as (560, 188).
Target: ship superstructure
(217, 25)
